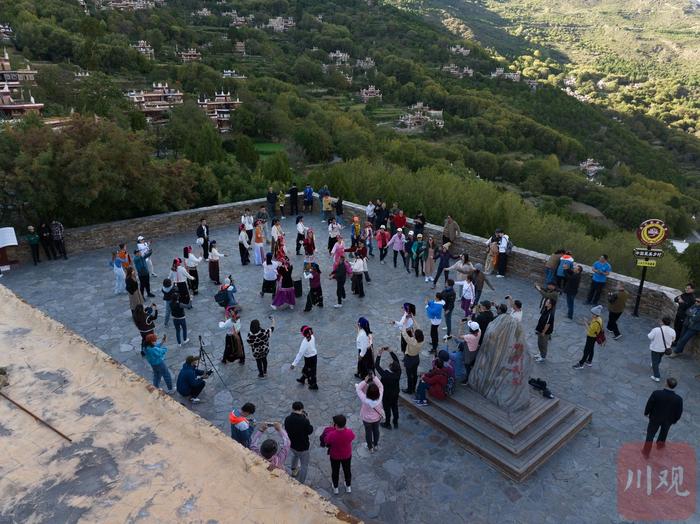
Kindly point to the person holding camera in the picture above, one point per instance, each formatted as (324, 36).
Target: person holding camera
(391, 379)
(299, 428)
(190, 380)
(370, 392)
(338, 440)
(270, 449)
(155, 354)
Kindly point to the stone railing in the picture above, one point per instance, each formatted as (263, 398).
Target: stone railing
(656, 301)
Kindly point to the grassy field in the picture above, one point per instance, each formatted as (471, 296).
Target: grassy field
(267, 149)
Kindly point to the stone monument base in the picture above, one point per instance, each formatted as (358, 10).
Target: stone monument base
(514, 444)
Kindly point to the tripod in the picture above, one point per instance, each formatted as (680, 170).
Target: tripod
(208, 365)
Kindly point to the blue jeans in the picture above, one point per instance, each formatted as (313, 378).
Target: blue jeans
(167, 313)
(161, 371)
(180, 325)
(422, 390)
(685, 338)
(370, 247)
(570, 304)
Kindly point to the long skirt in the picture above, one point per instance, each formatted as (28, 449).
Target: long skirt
(284, 295)
(259, 253)
(269, 286)
(491, 264)
(245, 257)
(429, 264)
(299, 244)
(194, 284)
(331, 243)
(233, 349)
(183, 292)
(214, 271)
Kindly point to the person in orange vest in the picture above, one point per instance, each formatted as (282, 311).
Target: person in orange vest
(242, 424)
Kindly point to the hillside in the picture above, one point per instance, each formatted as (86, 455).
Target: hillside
(295, 72)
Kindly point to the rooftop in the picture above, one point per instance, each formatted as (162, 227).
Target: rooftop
(419, 475)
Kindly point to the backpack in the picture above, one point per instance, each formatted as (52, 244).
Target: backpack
(600, 337)
(509, 247)
(221, 298)
(450, 386)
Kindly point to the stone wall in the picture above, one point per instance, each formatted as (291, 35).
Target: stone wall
(656, 301)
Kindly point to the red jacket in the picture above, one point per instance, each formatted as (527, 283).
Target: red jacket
(338, 442)
(437, 379)
(399, 220)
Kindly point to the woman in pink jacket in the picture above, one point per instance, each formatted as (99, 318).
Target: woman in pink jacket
(370, 392)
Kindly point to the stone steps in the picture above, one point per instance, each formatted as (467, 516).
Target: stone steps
(515, 445)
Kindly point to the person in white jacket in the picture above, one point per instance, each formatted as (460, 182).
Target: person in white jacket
(180, 277)
(144, 248)
(248, 222)
(233, 346)
(661, 338)
(364, 342)
(307, 351)
(191, 263)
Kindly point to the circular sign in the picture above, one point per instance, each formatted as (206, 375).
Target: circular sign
(652, 232)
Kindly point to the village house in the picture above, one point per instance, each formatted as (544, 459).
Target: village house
(156, 103)
(126, 5)
(239, 48)
(13, 109)
(14, 78)
(5, 33)
(79, 75)
(419, 117)
(280, 24)
(219, 109)
(460, 50)
(591, 168)
(237, 20)
(458, 72)
(365, 64)
(190, 55)
(500, 73)
(339, 57)
(202, 12)
(370, 93)
(231, 73)
(143, 47)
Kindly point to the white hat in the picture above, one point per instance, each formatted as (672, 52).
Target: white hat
(473, 326)
(399, 229)
(139, 238)
(382, 226)
(410, 232)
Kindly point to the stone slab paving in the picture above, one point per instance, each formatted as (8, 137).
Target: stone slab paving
(419, 474)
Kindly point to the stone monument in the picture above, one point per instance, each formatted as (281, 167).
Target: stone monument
(499, 417)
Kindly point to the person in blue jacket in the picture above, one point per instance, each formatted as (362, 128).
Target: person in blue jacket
(155, 354)
(189, 383)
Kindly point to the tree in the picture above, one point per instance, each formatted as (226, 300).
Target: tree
(245, 151)
(190, 132)
(276, 168)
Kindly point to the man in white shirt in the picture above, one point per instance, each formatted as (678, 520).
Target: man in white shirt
(369, 210)
(144, 247)
(307, 351)
(249, 222)
(661, 337)
(503, 241)
(516, 308)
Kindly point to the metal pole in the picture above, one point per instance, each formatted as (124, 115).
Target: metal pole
(20, 406)
(639, 292)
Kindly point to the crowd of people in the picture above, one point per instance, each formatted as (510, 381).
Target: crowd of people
(348, 252)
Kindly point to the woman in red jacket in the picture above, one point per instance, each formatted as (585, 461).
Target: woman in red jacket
(338, 439)
(434, 381)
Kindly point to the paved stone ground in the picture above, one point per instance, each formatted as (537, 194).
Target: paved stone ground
(419, 475)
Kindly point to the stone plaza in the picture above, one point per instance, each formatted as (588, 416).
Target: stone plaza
(419, 474)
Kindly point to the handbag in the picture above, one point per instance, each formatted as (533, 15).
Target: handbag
(667, 349)
(381, 414)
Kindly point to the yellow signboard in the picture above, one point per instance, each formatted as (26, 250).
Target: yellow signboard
(646, 263)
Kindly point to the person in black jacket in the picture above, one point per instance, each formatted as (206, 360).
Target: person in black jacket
(449, 296)
(664, 408)
(203, 233)
(573, 280)
(294, 199)
(298, 429)
(684, 301)
(391, 379)
(484, 317)
(46, 241)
